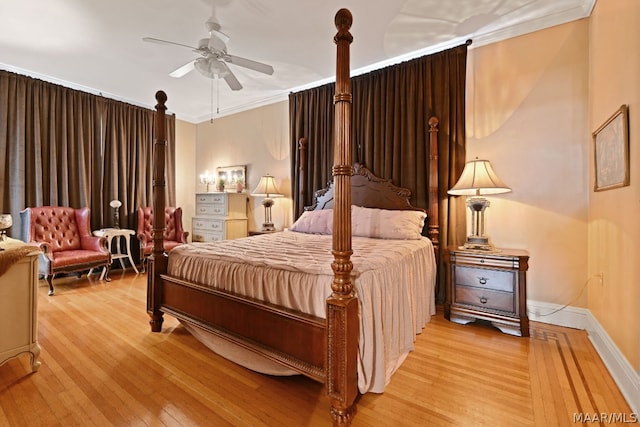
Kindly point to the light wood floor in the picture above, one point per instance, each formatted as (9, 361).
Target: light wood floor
(102, 366)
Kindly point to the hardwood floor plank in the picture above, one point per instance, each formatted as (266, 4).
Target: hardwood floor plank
(101, 366)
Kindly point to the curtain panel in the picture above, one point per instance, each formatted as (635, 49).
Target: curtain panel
(64, 147)
(390, 113)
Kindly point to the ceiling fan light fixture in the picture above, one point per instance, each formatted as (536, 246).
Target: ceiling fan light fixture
(211, 67)
(203, 67)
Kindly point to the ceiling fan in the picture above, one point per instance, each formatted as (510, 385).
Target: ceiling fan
(214, 57)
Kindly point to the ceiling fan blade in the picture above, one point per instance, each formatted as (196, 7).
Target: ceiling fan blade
(159, 41)
(215, 30)
(231, 79)
(248, 63)
(233, 83)
(222, 36)
(186, 68)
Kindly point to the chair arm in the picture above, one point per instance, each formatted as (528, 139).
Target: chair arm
(182, 237)
(45, 247)
(94, 243)
(142, 238)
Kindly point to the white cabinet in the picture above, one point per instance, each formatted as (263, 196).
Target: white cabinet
(19, 302)
(219, 216)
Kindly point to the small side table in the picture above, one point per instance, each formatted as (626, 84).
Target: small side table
(111, 234)
(490, 286)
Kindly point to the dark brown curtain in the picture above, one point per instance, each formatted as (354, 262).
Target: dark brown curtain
(390, 114)
(64, 147)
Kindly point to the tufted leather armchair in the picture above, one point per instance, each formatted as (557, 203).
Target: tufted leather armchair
(174, 234)
(64, 236)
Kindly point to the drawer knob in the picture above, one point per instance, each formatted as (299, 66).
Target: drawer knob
(483, 280)
(483, 300)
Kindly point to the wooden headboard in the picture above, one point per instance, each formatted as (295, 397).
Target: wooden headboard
(369, 191)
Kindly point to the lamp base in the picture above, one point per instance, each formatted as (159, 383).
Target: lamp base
(268, 226)
(478, 243)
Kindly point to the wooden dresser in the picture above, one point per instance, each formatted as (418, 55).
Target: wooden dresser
(19, 302)
(490, 286)
(219, 216)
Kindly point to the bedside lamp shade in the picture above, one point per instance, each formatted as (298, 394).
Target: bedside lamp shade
(267, 188)
(478, 178)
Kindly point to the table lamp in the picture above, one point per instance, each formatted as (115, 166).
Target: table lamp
(478, 179)
(267, 188)
(115, 205)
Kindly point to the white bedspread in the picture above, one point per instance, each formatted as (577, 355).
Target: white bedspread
(394, 282)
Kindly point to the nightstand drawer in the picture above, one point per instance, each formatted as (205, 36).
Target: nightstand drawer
(484, 278)
(487, 299)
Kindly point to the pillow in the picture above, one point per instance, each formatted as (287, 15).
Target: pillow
(314, 222)
(387, 224)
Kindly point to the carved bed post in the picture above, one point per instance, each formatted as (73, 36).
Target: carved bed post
(342, 306)
(302, 177)
(158, 259)
(434, 196)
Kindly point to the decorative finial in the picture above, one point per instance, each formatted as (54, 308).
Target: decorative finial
(343, 20)
(161, 97)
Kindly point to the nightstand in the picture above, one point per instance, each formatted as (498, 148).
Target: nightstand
(488, 285)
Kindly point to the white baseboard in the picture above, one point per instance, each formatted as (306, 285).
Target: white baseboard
(623, 374)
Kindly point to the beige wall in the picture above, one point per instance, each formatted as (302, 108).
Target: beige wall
(527, 114)
(258, 138)
(614, 227)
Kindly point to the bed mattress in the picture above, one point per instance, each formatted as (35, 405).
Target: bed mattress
(394, 281)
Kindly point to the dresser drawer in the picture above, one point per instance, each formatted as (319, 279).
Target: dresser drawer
(485, 298)
(215, 210)
(485, 278)
(207, 236)
(211, 198)
(208, 224)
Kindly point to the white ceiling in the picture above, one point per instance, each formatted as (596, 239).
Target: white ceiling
(97, 45)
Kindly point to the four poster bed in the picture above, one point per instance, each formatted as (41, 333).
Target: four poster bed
(338, 298)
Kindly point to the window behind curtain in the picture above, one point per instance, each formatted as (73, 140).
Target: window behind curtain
(64, 147)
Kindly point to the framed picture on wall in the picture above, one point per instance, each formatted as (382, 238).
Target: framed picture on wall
(232, 178)
(611, 149)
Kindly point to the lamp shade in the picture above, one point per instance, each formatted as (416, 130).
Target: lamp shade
(266, 187)
(478, 178)
(115, 203)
